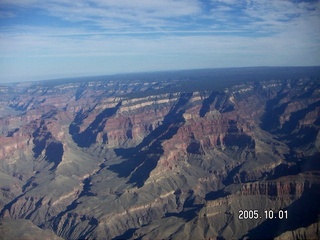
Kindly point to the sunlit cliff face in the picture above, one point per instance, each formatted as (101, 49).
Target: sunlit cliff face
(105, 159)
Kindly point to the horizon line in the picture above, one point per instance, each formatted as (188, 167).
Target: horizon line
(85, 76)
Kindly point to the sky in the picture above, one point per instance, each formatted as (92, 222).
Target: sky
(62, 38)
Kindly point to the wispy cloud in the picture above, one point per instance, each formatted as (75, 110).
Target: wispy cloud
(115, 14)
(270, 15)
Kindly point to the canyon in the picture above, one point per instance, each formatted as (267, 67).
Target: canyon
(166, 155)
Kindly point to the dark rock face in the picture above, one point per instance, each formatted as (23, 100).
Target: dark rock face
(133, 158)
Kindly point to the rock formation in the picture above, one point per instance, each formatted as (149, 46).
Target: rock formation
(130, 157)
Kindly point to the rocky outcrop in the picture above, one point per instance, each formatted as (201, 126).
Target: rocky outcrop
(310, 232)
(24, 229)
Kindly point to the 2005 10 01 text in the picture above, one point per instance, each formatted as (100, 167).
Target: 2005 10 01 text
(267, 214)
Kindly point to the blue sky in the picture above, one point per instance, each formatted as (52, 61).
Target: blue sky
(61, 38)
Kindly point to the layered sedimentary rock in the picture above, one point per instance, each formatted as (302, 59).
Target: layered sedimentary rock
(111, 158)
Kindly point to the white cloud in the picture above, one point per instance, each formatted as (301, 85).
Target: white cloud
(118, 14)
(271, 16)
(267, 16)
